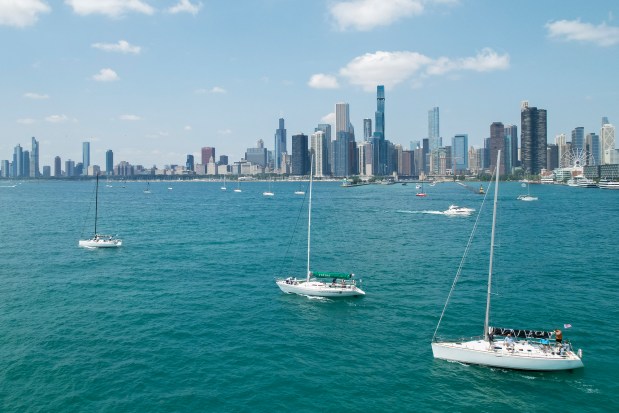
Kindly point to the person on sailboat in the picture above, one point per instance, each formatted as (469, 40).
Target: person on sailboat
(558, 336)
(509, 341)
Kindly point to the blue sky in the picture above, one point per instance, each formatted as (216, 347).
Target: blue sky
(155, 80)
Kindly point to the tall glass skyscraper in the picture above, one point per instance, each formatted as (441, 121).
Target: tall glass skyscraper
(85, 156)
(460, 154)
(533, 138)
(34, 171)
(18, 159)
(380, 111)
(367, 129)
(578, 139)
(511, 148)
(280, 144)
(189, 164)
(434, 138)
(109, 162)
(57, 167)
(300, 155)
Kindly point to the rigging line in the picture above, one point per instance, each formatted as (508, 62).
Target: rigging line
(466, 251)
(294, 231)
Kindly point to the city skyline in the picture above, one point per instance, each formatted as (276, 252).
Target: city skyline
(157, 81)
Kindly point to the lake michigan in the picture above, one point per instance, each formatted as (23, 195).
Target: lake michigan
(186, 317)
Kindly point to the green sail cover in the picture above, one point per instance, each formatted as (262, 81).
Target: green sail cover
(338, 275)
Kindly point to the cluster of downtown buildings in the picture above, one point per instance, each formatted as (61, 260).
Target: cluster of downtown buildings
(337, 153)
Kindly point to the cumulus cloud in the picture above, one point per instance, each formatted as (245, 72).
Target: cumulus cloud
(185, 6)
(106, 75)
(187, 128)
(131, 118)
(26, 121)
(575, 30)
(110, 8)
(21, 13)
(35, 96)
(322, 81)
(367, 14)
(122, 46)
(215, 89)
(57, 118)
(328, 118)
(393, 68)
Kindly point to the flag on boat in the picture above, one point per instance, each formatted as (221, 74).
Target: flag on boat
(567, 326)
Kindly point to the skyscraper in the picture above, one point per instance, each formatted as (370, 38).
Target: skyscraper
(367, 129)
(109, 162)
(318, 148)
(57, 167)
(85, 156)
(280, 144)
(326, 128)
(578, 139)
(607, 142)
(379, 145)
(343, 146)
(533, 138)
(18, 159)
(34, 170)
(592, 146)
(380, 111)
(189, 164)
(497, 143)
(300, 155)
(208, 155)
(511, 147)
(459, 148)
(434, 138)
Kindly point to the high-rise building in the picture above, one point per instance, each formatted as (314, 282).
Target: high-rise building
(434, 138)
(552, 161)
(85, 156)
(25, 164)
(280, 145)
(344, 144)
(593, 147)
(380, 111)
(326, 128)
(257, 155)
(190, 164)
(18, 161)
(300, 155)
(69, 168)
(223, 159)
(511, 147)
(34, 171)
(208, 155)
(578, 139)
(57, 167)
(367, 129)
(318, 148)
(533, 138)
(379, 146)
(607, 143)
(109, 162)
(497, 143)
(459, 148)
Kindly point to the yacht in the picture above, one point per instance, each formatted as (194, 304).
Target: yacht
(458, 210)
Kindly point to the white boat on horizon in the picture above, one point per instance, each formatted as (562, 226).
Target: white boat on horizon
(99, 240)
(527, 196)
(604, 184)
(269, 192)
(519, 349)
(314, 284)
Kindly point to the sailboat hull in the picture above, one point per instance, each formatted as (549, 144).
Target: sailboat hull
(319, 289)
(523, 356)
(100, 243)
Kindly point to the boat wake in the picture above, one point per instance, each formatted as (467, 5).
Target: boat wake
(401, 211)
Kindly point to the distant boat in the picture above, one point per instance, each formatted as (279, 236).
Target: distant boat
(604, 184)
(147, 190)
(457, 210)
(300, 190)
(527, 196)
(270, 191)
(99, 240)
(342, 284)
(481, 190)
(534, 350)
(223, 188)
(170, 188)
(420, 192)
(238, 186)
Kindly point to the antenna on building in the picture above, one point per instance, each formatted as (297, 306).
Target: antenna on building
(524, 105)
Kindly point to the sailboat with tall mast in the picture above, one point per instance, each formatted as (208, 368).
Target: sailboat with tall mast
(314, 284)
(519, 349)
(99, 240)
(527, 196)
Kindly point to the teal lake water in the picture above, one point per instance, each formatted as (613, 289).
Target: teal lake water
(186, 317)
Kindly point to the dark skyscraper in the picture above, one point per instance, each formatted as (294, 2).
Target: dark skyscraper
(280, 144)
(497, 143)
(189, 164)
(34, 171)
(57, 167)
(208, 155)
(367, 129)
(378, 142)
(109, 162)
(300, 155)
(380, 111)
(533, 138)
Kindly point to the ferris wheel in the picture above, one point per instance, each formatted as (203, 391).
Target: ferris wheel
(577, 158)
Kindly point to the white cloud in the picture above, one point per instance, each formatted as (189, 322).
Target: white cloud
(187, 128)
(215, 89)
(322, 81)
(185, 6)
(122, 46)
(367, 14)
(21, 13)
(110, 8)
(224, 132)
(129, 117)
(35, 96)
(328, 118)
(57, 118)
(106, 75)
(26, 121)
(218, 89)
(575, 30)
(393, 68)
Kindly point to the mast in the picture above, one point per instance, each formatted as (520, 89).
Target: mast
(309, 216)
(496, 193)
(96, 203)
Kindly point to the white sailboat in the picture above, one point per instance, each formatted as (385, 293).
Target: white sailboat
(270, 191)
(147, 190)
(527, 196)
(99, 240)
(238, 186)
(315, 284)
(519, 349)
(223, 187)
